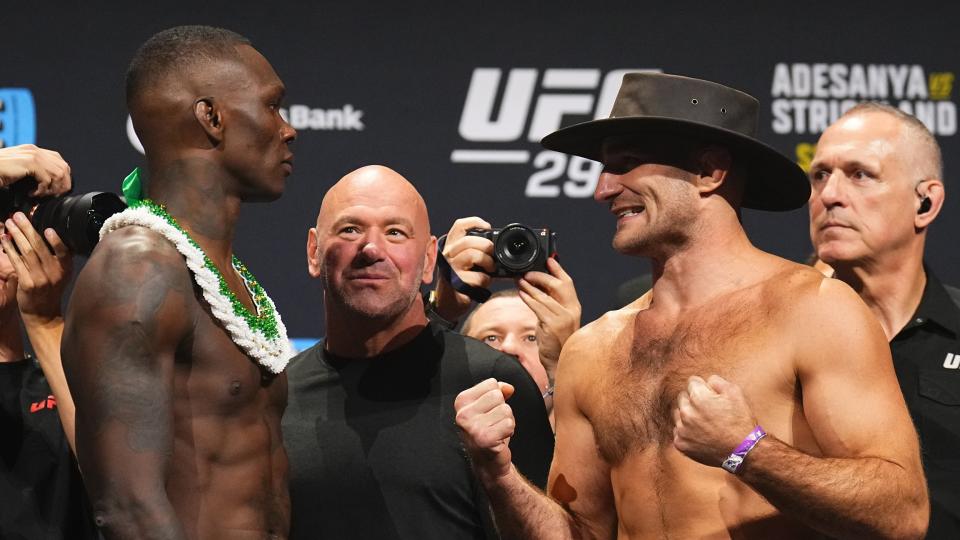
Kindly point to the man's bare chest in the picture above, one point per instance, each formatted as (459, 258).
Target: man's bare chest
(649, 364)
(219, 379)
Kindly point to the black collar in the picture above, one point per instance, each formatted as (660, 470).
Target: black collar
(936, 307)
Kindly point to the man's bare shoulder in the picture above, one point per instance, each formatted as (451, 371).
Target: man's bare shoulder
(133, 265)
(592, 342)
(797, 286)
(791, 276)
(809, 292)
(132, 245)
(822, 314)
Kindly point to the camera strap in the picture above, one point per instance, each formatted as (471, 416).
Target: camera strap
(477, 294)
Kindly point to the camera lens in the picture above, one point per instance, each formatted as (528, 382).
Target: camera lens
(77, 218)
(516, 248)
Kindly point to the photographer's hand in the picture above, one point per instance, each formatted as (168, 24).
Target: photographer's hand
(464, 253)
(41, 273)
(41, 277)
(46, 166)
(553, 298)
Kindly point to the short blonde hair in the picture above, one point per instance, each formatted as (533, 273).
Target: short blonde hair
(914, 129)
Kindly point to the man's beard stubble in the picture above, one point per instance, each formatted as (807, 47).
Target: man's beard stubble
(369, 304)
(674, 226)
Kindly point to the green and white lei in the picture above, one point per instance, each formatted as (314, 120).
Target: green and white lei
(261, 335)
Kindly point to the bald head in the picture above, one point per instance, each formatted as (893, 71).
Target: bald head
(375, 186)
(372, 247)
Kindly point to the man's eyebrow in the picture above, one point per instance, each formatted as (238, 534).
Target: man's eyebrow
(399, 220)
(848, 164)
(343, 220)
(484, 328)
(277, 90)
(862, 165)
(818, 166)
(858, 164)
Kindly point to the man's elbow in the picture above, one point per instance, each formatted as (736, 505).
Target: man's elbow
(919, 520)
(911, 521)
(130, 515)
(910, 529)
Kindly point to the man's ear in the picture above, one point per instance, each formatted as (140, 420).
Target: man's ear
(313, 252)
(932, 190)
(714, 163)
(429, 261)
(210, 118)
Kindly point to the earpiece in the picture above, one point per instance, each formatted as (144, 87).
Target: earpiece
(925, 205)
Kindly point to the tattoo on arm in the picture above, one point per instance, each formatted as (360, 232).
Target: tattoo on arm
(124, 326)
(128, 391)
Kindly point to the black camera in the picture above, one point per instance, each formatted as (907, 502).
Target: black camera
(76, 218)
(518, 249)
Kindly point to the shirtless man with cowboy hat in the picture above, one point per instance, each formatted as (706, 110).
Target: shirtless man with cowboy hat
(744, 395)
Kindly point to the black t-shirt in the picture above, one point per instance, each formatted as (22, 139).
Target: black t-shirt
(41, 495)
(374, 449)
(926, 356)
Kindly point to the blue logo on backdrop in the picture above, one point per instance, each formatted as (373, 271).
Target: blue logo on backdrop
(18, 119)
(302, 344)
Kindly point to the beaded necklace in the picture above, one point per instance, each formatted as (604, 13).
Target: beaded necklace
(261, 335)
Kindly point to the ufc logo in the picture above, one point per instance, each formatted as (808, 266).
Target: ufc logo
(952, 361)
(562, 92)
(49, 403)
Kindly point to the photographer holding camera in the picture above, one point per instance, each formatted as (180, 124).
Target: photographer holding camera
(549, 299)
(39, 481)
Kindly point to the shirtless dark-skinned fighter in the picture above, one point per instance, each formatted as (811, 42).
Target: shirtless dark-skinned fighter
(661, 406)
(173, 352)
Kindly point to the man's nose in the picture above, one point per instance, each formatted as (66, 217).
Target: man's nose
(608, 186)
(288, 133)
(831, 191)
(510, 345)
(372, 248)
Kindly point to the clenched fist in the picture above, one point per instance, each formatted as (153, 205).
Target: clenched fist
(486, 424)
(710, 419)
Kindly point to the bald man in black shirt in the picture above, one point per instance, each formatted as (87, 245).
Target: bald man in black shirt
(369, 426)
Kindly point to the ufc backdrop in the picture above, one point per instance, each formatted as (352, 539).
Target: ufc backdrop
(455, 96)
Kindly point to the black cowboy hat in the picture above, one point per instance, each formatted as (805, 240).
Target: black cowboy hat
(660, 105)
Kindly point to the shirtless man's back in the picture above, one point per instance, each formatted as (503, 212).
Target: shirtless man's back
(173, 352)
(653, 398)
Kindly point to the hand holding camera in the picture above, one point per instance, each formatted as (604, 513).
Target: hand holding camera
(471, 257)
(51, 172)
(553, 298)
(33, 180)
(29, 173)
(42, 272)
(31, 177)
(478, 252)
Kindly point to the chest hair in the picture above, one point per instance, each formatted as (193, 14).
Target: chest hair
(651, 363)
